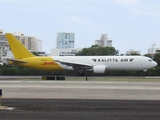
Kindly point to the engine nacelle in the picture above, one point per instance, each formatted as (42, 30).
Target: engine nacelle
(99, 69)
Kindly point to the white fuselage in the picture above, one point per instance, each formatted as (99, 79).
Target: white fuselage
(110, 62)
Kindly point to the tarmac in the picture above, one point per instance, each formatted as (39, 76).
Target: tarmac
(87, 100)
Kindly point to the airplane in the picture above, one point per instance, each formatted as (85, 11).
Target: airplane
(81, 64)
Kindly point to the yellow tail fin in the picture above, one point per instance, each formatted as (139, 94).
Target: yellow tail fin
(18, 49)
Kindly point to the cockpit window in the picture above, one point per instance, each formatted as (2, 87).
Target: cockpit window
(150, 60)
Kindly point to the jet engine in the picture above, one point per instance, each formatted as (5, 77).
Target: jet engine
(99, 69)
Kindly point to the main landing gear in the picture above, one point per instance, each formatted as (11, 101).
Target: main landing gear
(81, 73)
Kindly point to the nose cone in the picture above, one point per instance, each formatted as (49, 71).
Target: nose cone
(154, 64)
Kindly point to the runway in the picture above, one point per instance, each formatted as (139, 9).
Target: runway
(81, 90)
(80, 109)
(87, 100)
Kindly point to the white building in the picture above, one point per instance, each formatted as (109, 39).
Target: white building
(4, 46)
(38, 45)
(104, 41)
(65, 40)
(153, 49)
(31, 43)
(65, 52)
(130, 52)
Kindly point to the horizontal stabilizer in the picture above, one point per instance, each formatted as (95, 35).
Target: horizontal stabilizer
(16, 61)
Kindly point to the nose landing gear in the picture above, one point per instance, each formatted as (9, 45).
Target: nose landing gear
(144, 72)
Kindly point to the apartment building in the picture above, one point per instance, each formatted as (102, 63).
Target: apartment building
(153, 49)
(33, 44)
(4, 46)
(103, 41)
(65, 40)
(65, 52)
(131, 52)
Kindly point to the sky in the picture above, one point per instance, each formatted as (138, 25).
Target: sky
(130, 24)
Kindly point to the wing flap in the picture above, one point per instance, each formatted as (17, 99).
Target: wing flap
(75, 64)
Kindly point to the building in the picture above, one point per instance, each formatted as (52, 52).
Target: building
(153, 49)
(65, 52)
(65, 40)
(31, 43)
(65, 45)
(104, 41)
(132, 52)
(38, 45)
(4, 46)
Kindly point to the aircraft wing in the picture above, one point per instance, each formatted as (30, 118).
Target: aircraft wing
(75, 65)
(17, 61)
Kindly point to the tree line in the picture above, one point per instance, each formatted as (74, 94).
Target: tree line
(7, 69)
